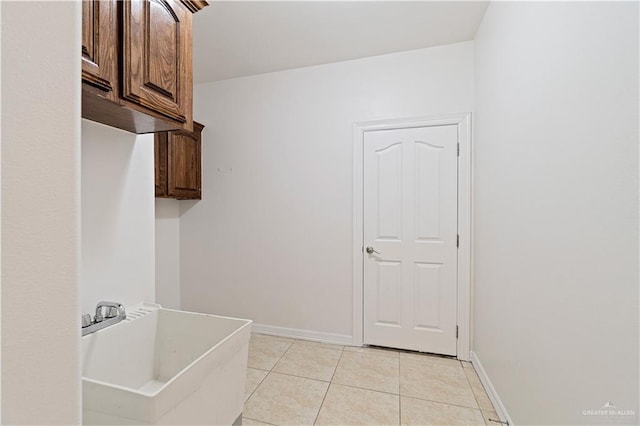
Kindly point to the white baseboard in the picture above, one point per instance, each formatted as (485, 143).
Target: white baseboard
(295, 333)
(501, 411)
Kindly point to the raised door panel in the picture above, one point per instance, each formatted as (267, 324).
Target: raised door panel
(100, 46)
(389, 193)
(428, 191)
(157, 55)
(388, 310)
(184, 164)
(427, 303)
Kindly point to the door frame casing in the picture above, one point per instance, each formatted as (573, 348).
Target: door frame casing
(464, 284)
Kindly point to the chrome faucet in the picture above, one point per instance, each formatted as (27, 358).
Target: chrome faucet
(107, 313)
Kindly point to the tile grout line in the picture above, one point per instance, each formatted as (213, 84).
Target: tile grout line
(399, 393)
(298, 376)
(477, 408)
(493, 409)
(294, 340)
(438, 402)
(283, 354)
(390, 393)
(359, 387)
(256, 420)
(331, 381)
(293, 375)
(265, 378)
(290, 374)
(328, 387)
(473, 393)
(303, 377)
(376, 354)
(321, 343)
(254, 391)
(442, 403)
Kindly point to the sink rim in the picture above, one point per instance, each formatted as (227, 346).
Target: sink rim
(156, 307)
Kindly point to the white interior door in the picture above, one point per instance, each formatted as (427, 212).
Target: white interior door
(410, 220)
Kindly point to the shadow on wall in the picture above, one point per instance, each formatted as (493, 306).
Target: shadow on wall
(106, 158)
(118, 208)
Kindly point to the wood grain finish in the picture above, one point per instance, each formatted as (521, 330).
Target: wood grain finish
(162, 57)
(160, 164)
(137, 63)
(178, 166)
(100, 46)
(96, 107)
(157, 57)
(195, 5)
(89, 32)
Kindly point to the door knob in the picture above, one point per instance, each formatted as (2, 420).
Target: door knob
(371, 250)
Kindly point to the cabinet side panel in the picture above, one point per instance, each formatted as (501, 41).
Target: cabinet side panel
(160, 164)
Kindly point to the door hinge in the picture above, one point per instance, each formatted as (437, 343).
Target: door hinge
(458, 240)
(456, 331)
(458, 149)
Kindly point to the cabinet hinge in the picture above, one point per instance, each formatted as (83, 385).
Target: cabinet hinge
(458, 240)
(456, 331)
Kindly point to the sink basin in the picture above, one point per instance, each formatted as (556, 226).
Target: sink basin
(161, 366)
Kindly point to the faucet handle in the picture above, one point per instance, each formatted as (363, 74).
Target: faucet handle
(111, 312)
(86, 320)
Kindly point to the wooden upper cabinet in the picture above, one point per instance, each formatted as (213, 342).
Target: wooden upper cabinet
(185, 163)
(157, 56)
(100, 47)
(178, 163)
(137, 63)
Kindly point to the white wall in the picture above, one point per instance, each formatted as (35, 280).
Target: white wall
(1, 117)
(118, 215)
(271, 238)
(168, 253)
(556, 208)
(40, 213)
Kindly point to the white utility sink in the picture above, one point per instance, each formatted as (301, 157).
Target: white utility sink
(161, 366)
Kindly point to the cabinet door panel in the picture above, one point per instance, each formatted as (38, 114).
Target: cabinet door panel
(157, 56)
(184, 169)
(178, 163)
(162, 59)
(99, 45)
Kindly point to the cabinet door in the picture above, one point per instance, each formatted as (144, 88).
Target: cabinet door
(157, 55)
(184, 165)
(100, 45)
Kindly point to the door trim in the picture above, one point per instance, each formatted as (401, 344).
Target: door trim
(463, 121)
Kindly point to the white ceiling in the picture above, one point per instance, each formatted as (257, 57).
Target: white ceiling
(238, 38)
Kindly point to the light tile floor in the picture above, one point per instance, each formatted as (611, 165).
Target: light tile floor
(297, 382)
